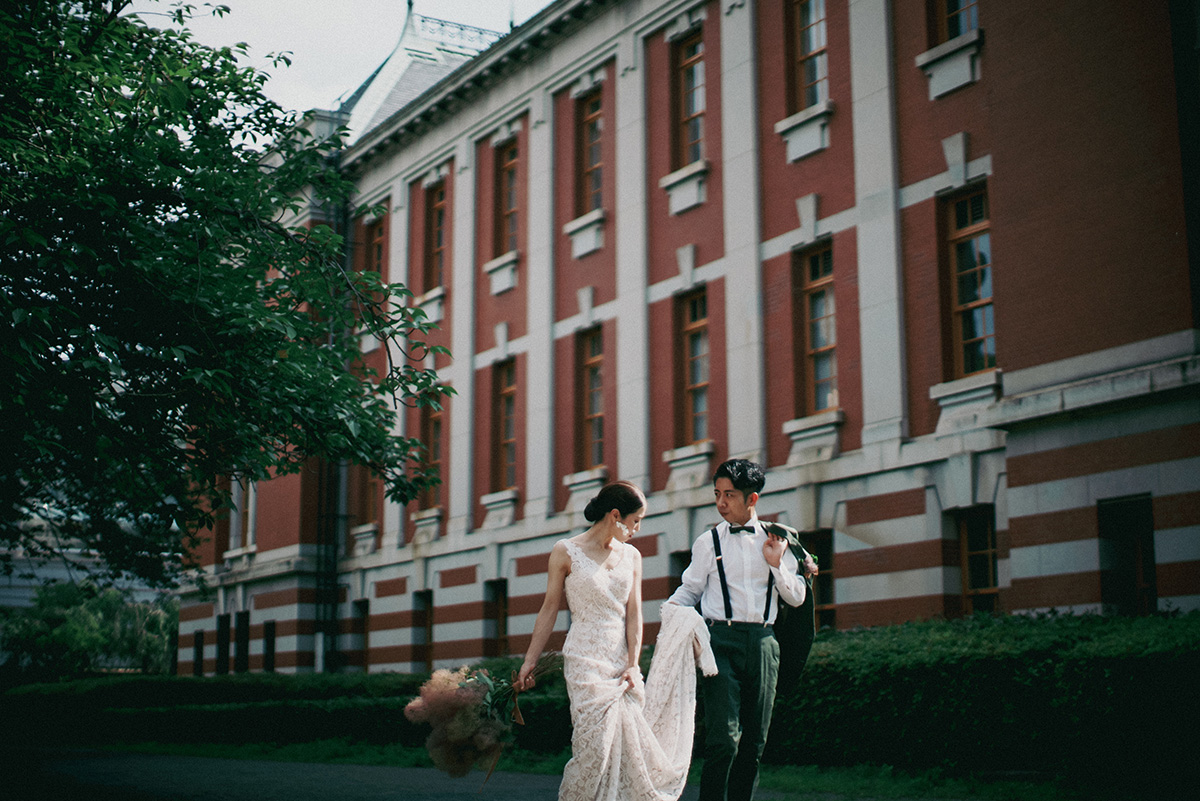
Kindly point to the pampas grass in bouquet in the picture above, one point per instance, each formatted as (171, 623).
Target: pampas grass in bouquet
(472, 714)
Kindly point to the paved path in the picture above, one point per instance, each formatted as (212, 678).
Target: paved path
(80, 775)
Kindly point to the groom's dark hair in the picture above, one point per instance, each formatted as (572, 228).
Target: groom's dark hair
(744, 474)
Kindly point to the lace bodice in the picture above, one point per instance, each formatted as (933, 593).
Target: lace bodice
(598, 592)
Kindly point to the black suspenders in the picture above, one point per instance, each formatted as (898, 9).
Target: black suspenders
(725, 583)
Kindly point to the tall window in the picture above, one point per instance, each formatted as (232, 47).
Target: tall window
(431, 439)
(241, 642)
(1128, 567)
(506, 198)
(495, 617)
(809, 60)
(956, 17)
(690, 100)
(504, 473)
(435, 236)
(242, 519)
(977, 543)
(971, 273)
(423, 629)
(817, 321)
(362, 496)
(590, 156)
(374, 241)
(820, 544)
(591, 394)
(694, 352)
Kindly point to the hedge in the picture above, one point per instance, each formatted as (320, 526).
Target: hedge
(1086, 697)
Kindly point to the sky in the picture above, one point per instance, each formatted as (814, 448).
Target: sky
(335, 44)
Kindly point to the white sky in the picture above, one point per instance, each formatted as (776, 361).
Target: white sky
(335, 44)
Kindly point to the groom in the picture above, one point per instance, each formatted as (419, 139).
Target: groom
(739, 574)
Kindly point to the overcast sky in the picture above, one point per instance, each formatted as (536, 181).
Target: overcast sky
(335, 44)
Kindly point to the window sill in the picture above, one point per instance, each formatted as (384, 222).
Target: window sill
(583, 486)
(238, 558)
(364, 538)
(586, 232)
(686, 187)
(806, 132)
(428, 523)
(433, 303)
(690, 466)
(964, 399)
(815, 438)
(502, 271)
(501, 508)
(952, 64)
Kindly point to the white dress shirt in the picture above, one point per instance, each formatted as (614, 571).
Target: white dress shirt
(746, 571)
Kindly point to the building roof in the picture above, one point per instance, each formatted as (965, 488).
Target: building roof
(428, 50)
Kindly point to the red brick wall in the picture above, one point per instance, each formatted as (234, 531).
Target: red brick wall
(596, 269)
(703, 225)
(510, 306)
(829, 172)
(1085, 168)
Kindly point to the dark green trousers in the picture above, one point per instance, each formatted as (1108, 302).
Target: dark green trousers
(737, 709)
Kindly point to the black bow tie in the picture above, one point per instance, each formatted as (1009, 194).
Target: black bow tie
(739, 529)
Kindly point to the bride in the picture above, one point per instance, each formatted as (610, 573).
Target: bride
(630, 740)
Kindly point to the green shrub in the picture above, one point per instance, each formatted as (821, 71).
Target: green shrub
(1101, 699)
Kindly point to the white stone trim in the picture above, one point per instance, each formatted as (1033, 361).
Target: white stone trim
(502, 272)
(952, 64)
(364, 538)
(501, 508)
(964, 399)
(807, 131)
(427, 523)
(433, 303)
(583, 486)
(814, 438)
(686, 23)
(691, 466)
(685, 187)
(586, 233)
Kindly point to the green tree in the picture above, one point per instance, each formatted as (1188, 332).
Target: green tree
(163, 328)
(74, 629)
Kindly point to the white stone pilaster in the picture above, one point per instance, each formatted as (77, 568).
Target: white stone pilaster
(633, 330)
(745, 380)
(876, 185)
(459, 484)
(539, 271)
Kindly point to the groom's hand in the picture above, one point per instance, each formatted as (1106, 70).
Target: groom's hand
(773, 549)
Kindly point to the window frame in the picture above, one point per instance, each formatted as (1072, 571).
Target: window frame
(807, 287)
(508, 203)
(431, 437)
(797, 85)
(433, 273)
(819, 543)
(689, 326)
(964, 521)
(590, 424)
(956, 236)
(683, 63)
(504, 465)
(944, 15)
(589, 174)
(363, 495)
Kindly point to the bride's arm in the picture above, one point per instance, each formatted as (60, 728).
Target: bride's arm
(560, 564)
(633, 619)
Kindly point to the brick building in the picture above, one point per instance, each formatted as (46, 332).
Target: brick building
(933, 262)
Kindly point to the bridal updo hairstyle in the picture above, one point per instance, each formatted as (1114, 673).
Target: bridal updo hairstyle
(626, 498)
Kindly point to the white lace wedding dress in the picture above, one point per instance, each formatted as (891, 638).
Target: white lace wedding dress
(620, 752)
